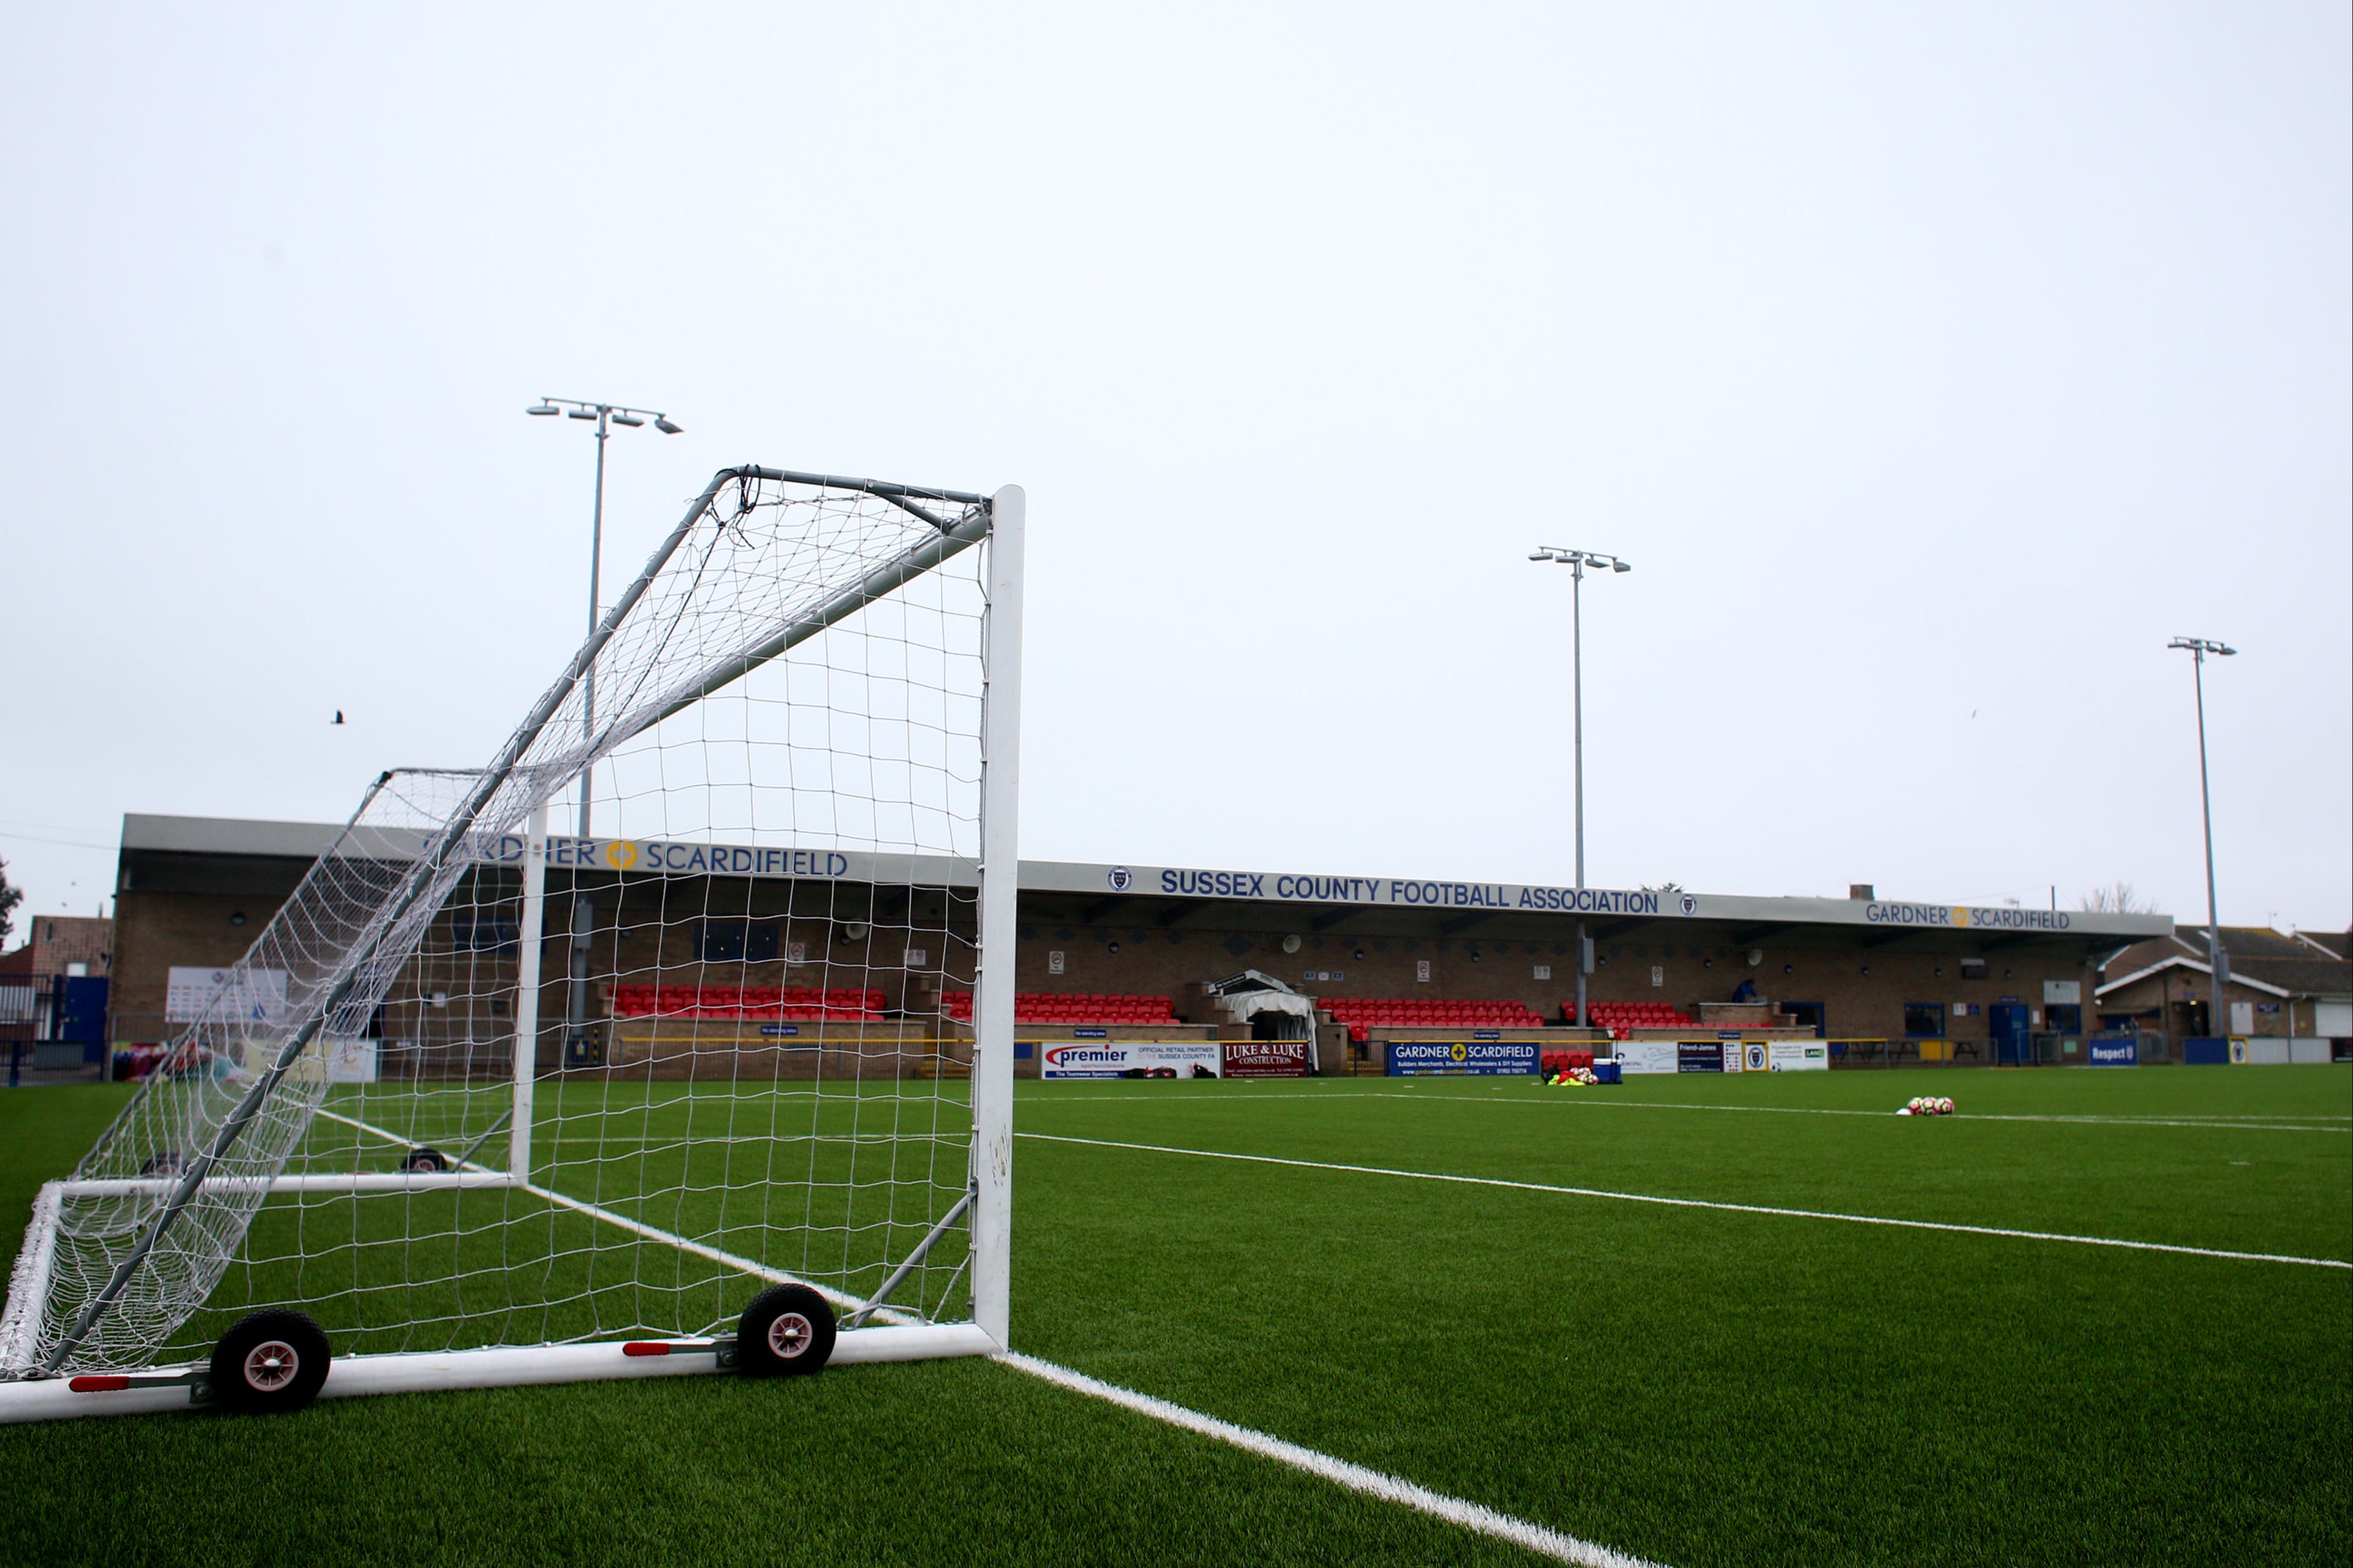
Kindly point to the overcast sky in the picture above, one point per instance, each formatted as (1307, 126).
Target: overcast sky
(1933, 366)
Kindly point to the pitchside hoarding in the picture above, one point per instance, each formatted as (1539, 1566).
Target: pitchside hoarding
(1799, 1055)
(1266, 1059)
(1118, 1058)
(1479, 1057)
(2124, 1053)
(1647, 1056)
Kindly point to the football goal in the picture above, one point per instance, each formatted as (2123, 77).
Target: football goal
(628, 1053)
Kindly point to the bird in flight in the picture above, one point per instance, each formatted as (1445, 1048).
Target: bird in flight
(339, 715)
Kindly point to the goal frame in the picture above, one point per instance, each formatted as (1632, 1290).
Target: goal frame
(870, 1331)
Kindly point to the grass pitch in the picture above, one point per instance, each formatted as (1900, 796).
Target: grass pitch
(1693, 1386)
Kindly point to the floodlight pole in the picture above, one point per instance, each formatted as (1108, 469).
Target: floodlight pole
(605, 415)
(2217, 960)
(595, 583)
(1576, 725)
(584, 912)
(1577, 561)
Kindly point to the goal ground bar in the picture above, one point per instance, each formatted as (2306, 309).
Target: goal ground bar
(165, 1388)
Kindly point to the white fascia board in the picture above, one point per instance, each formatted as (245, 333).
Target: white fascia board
(2195, 967)
(1508, 897)
(1419, 894)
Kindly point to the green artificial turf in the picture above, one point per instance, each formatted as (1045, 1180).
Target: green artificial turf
(1695, 1385)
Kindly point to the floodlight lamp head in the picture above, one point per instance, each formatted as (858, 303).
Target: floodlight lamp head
(544, 409)
(1617, 566)
(582, 413)
(631, 420)
(663, 424)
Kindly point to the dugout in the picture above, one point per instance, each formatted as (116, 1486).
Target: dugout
(1880, 981)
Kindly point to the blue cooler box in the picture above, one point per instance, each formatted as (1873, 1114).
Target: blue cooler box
(1606, 1072)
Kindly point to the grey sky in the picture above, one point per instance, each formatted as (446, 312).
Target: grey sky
(1934, 366)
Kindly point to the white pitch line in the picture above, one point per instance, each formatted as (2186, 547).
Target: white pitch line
(1599, 1104)
(1703, 1202)
(2210, 1124)
(1454, 1511)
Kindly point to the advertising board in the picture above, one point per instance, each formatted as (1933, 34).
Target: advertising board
(1700, 1055)
(1799, 1055)
(351, 1061)
(2122, 1051)
(1647, 1056)
(1123, 1059)
(256, 996)
(328, 1059)
(1265, 1059)
(1480, 1058)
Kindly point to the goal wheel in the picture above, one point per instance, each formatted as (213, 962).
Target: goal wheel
(271, 1361)
(787, 1330)
(163, 1162)
(426, 1158)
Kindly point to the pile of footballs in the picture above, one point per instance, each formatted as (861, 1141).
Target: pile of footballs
(1567, 1075)
(1926, 1105)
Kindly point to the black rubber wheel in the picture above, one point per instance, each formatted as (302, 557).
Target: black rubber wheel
(427, 1158)
(786, 1331)
(163, 1162)
(274, 1360)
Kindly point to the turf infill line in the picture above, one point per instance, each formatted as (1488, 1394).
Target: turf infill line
(1705, 1203)
(1454, 1511)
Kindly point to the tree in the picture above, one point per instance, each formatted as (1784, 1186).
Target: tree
(2117, 898)
(10, 897)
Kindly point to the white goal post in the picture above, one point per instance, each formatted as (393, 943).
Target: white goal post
(637, 1051)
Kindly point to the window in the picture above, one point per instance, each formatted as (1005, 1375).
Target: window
(737, 941)
(1973, 969)
(1923, 1020)
(2064, 1017)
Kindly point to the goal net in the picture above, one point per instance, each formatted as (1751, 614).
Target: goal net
(665, 1005)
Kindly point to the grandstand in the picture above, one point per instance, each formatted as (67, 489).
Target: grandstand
(1362, 1015)
(1081, 1009)
(798, 1004)
(832, 960)
(1621, 1020)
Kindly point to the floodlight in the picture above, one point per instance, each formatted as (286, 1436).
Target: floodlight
(543, 410)
(662, 423)
(584, 413)
(631, 420)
